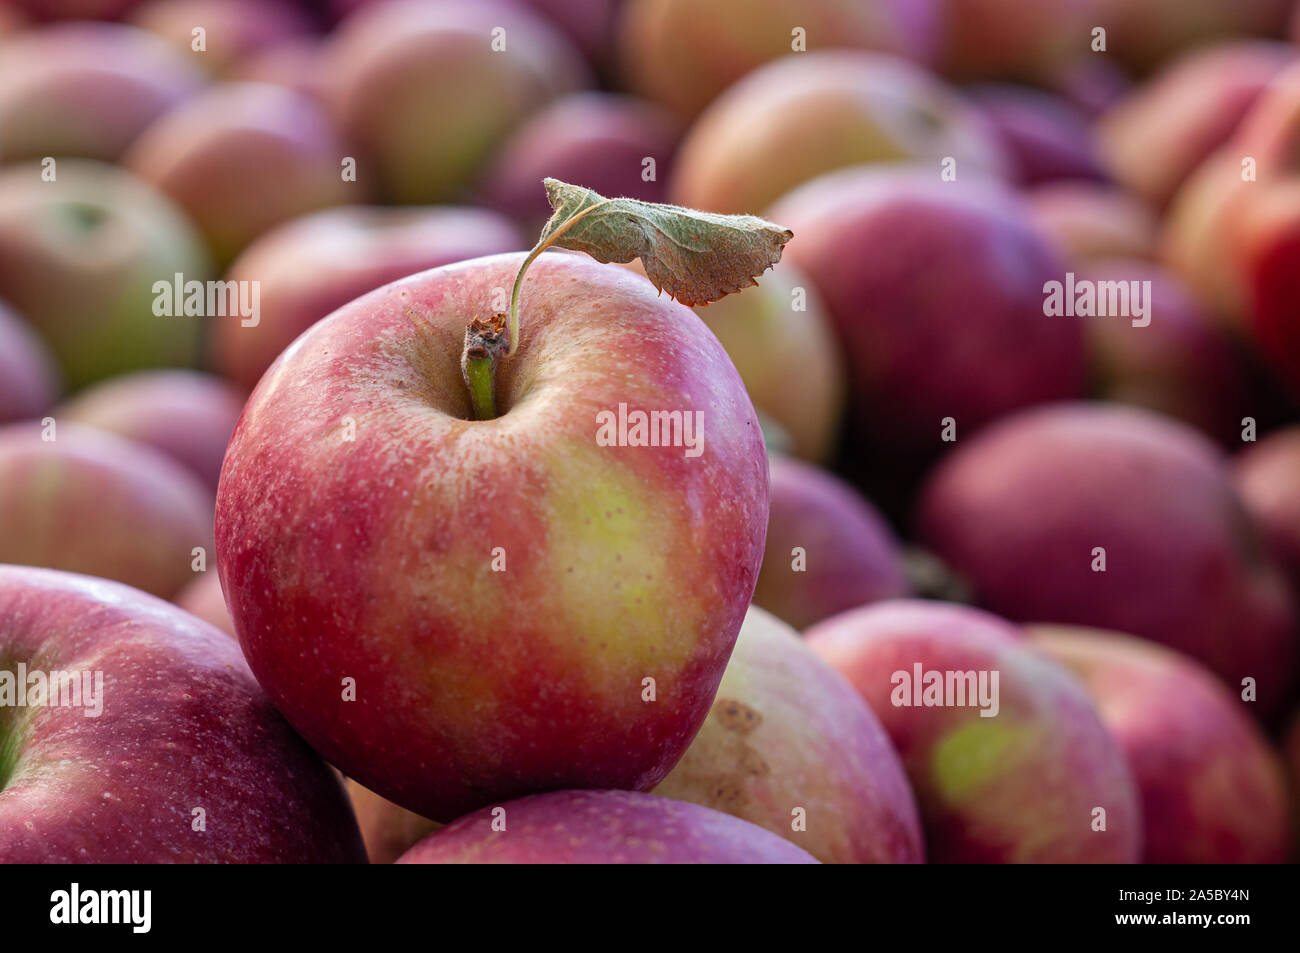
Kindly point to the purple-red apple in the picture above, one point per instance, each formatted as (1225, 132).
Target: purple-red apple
(1212, 788)
(806, 115)
(1267, 475)
(1094, 220)
(243, 158)
(1045, 136)
(203, 598)
(602, 827)
(458, 611)
(86, 89)
(1119, 518)
(29, 381)
(80, 257)
(85, 501)
(310, 266)
(427, 91)
(187, 415)
(296, 64)
(1007, 756)
(161, 748)
(937, 292)
(827, 548)
(75, 9)
(791, 747)
(232, 29)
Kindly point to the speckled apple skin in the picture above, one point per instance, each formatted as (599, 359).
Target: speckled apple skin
(1019, 787)
(94, 503)
(371, 559)
(787, 731)
(1018, 510)
(1213, 791)
(183, 726)
(603, 827)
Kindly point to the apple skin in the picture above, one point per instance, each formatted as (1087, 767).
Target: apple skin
(1018, 787)
(183, 726)
(1184, 363)
(235, 29)
(603, 827)
(29, 381)
(1094, 220)
(936, 290)
(86, 89)
(388, 829)
(1144, 34)
(1018, 510)
(75, 9)
(596, 139)
(312, 265)
(208, 154)
(852, 555)
(787, 731)
(203, 598)
(94, 503)
(1212, 789)
(1267, 474)
(1034, 40)
(684, 54)
(187, 415)
(1045, 136)
(1156, 136)
(370, 558)
(295, 64)
(419, 90)
(816, 112)
(78, 259)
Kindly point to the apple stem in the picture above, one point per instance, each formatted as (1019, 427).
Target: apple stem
(484, 343)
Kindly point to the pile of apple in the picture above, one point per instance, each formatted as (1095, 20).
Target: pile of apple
(338, 617)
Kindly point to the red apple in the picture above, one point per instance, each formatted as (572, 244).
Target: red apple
(1020, 768)
(1267, 475)
(427, 94)
(91, 502)
(187, 415)
(827, 548)
(805, 115)
(308, 267)
(233, 29)
(1045, 136)
(506, 595)
(602, 827)
(79, 259)
(86, 89)
(296, 64)
(684, 54)
(791, 747)
(180, 758)
(29, 381)
(1036, 40)
(203, 598)
(243, 158)
(1094, 220)
(75, 9)
(1211, 786)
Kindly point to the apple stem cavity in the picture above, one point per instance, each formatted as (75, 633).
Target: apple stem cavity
(484, 343)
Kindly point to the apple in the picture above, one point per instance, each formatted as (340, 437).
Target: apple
(1094, 220)
(601, 140)
(388, 830)
(1045, 136)
(312, 265)
(827, 548)
(602, 827)
(86, 89)
(174, 755)
(203, 598)
(296, 64)
(233, 29)
(520, 605)
(75, 9)
(29, 381)
(1184, 363)
(936, 290)
(427, 93)
(1267, 476)
(1156, 136)
(1118, 518)
(243, 158)
(1036, 40)
(187, 415)
(79, 258)
(799, 117)
(1143, 34)
(91, 502)
(684, 54)
(1212, 789)
(789, 746)
(1019, 770)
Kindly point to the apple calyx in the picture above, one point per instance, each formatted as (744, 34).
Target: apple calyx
(485, 342)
